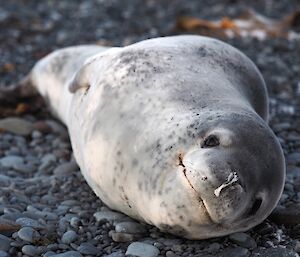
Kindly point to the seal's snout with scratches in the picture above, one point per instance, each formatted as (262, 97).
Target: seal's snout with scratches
(171, 131)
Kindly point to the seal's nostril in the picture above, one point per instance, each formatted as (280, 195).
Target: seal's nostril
(255, 207)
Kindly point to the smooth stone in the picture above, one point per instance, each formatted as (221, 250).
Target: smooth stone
(115, 254)
(243, 240)
(87, 248)
(130, 227)
(30, 250)
(27, 222)
(69, 237)
(17, 126)
(289, 216)
(57, 128)
(274, 252)
(122, 237)
(3, 254)
(10, 161)
(24, 168)
(142, 250)
(4, 243)
(28, 234)
(234, 251)
(214, 247)
(65, 168)
(8, 225)
(5, 180)
(68, 254)
(110, 216)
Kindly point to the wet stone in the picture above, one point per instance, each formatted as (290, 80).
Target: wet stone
(11, 161)
(274, 252)
(27, 222)
(30, 250)
(3, 254)
(243, 240)
(110, 216)
(4, 243)
(87, 248)
(289, 216)
(28, 234)
(122, 237)
(69, 237)
(130, 227)
(68, 254)
(142, 250)
(17, 126)
(236, 252)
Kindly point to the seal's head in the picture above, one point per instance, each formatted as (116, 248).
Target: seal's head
(236, 173)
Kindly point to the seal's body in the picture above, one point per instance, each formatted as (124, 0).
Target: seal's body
(171, 131)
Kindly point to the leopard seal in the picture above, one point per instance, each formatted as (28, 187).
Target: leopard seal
(171, 131)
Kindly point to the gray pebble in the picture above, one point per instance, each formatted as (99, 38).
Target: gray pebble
(3, 254)
(68, 254)
(4, 243)
(17, 126)
(27, 222)
(75, 222)
(110, 216)
(274, 252)
(130, 227)
(236, 252)
(142, 250)
(122, 237)
(30, 250)
(115, 254)
(87, 248)
(10, 161)
(69, 237)
(65, 168)
(243, 240)
(24, 168)
(5, 180)
(28, 234)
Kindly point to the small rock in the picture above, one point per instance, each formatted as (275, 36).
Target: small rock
(8, 225)
(69, 237)
(214, 247)
(4, 243)
(68, 254)
(110, 216)
(87, 248)
(65, 168)
(274, 252)
(4, 180)
(289, 216)
(3, 254)
(27, 222)
(130, 227)
(24, 168)
(236, 252)
(28, 234)
(122, 237)
(142, 250)
(30, 250)
(115, 254)
(243, 240)
(10, 161)
(17, 126)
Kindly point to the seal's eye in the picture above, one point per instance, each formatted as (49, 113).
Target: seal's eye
(210, 141)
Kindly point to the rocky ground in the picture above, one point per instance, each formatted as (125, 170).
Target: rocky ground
(46, 207)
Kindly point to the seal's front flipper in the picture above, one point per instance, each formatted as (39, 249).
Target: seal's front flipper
(80, 79)
(14, 92)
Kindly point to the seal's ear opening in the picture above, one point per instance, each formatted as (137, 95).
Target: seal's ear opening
(80, 79)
